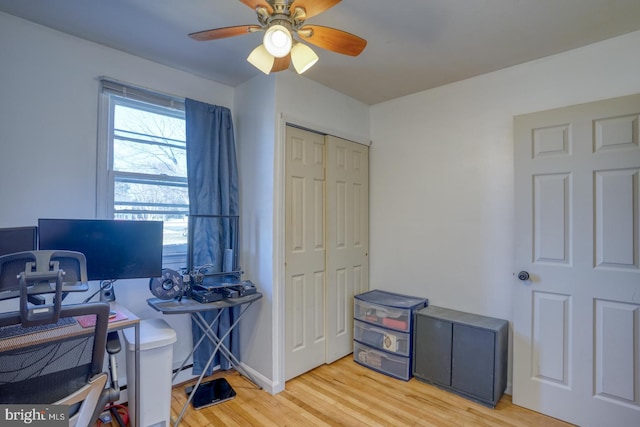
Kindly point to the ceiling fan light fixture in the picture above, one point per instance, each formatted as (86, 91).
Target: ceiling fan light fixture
(277, 40)
(303, 57)
(261, 59)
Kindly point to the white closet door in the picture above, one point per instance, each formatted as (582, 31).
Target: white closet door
(326, 245)
(347, 239)
(576, 319)
(305, 248)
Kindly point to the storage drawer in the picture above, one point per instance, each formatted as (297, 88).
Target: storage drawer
(394, 318)
(389, 364)
(388, 309)
(382, 338)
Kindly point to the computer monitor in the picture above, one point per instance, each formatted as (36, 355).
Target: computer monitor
(114, 249)
(14, 240)
(18, 239)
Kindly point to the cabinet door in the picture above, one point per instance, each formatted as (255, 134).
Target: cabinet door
(473, 352)
(432, 350)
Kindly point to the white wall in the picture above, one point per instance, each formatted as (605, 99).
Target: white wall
(304, 102)
(255, 130)
(48, 132)
(442, 173)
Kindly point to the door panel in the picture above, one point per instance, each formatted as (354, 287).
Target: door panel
(432, 360)
(616, 242)
(577, 320)
(347, 239)
(617, 354)
(550, 345)
(474, 375)
(305, 252)
(552, 219)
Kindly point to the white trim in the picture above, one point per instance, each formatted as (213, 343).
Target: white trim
(278, 301)
(141, 93)
(312, 127)
(264, 382)
(104, 190)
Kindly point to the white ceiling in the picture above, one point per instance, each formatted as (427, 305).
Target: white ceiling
(413, 45)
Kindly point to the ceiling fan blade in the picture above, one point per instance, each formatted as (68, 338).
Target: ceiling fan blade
(255, 3)
(281, 64)
(334, 40)
(312, 7)
(221, 33)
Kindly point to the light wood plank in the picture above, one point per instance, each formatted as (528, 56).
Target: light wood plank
(347, 394)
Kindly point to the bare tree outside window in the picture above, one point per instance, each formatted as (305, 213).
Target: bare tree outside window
(150, 170)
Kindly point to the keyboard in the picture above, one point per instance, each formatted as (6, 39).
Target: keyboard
(17, 330)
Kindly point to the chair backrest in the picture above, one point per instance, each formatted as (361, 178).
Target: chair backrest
(41, 263)
(53, 362)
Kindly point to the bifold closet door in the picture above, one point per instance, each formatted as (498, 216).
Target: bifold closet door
(305, 249)
(347, 267)
(326, 246)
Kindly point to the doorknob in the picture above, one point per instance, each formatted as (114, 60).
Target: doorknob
(523, 275)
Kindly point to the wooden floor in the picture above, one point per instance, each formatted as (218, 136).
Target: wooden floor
(347, 394)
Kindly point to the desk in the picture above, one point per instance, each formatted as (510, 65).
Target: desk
(195, 309)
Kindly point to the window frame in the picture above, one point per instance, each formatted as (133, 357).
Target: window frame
(112, 94)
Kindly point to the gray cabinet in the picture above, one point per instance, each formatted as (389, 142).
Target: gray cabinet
(461, 352)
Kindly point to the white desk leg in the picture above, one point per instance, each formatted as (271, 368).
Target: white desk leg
(137, 363)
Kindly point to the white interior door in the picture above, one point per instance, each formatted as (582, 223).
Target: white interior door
(347, 239)
(305, 248)
(577, 319)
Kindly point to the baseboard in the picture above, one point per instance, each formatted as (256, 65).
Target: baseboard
(265, 383)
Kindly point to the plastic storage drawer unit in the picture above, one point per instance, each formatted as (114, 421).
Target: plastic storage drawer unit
(382, 331)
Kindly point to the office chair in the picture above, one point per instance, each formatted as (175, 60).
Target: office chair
(71, 265)
(57, 360)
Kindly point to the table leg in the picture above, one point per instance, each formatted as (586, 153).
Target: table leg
(137, 366)
(186, 359)
(233, 360)
(195, 387)
(208, 331)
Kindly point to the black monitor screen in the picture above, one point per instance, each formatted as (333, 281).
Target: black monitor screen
(115, 249)
(17, 239)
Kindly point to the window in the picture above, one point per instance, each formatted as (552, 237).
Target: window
(142, 169)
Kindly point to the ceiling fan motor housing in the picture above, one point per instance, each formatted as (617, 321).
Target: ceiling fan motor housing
(281, 20)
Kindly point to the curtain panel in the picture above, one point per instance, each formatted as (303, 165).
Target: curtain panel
(212, 176)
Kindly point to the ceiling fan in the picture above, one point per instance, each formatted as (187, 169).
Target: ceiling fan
(281, 20)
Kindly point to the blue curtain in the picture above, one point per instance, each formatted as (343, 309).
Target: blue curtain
(212, 175)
